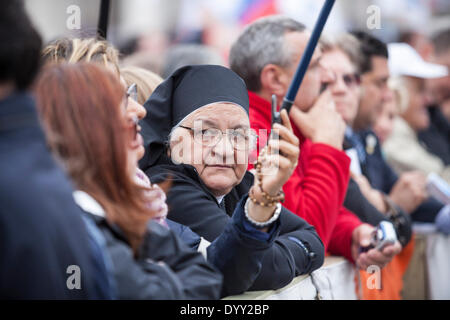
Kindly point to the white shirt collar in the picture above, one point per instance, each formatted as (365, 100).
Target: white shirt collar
(219, 199)
(88, 203)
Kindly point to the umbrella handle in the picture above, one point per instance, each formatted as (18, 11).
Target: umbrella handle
(102, 29)
(306, 57)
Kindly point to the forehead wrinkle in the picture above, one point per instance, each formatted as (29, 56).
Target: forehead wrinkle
(210, 116)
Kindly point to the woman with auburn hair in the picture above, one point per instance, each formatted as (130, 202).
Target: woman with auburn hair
(235, 252)
(83, 109)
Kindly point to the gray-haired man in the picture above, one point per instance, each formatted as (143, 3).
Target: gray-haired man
(265, 56)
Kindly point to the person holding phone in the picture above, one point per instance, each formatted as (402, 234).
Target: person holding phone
(266, 55)
(197, 136)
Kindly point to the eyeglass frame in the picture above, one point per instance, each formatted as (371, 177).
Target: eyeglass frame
(355, 79)
(132, 93)
(221, 136)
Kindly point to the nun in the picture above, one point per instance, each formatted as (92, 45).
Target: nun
(197, 136)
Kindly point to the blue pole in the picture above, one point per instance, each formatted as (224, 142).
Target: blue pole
(306, 58)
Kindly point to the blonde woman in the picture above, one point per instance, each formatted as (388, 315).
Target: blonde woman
(145, 81)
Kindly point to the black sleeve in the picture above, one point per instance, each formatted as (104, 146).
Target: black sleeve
(164, 269)
(297, 250)
(238, 254)
(185, 234)
(357, 203)
(288, 257)
(235, 253)
(390, 177)
(427, 211)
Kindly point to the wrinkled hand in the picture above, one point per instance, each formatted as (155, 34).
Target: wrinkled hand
(409, 191)
(361, 238)
(322, 123)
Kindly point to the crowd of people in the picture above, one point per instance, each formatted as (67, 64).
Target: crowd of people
(119, 183)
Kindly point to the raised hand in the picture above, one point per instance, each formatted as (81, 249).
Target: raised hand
(322, 123)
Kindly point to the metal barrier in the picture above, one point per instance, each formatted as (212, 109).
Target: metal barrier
(334, 280)
(427, 277)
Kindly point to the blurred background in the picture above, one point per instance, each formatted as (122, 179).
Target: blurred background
(152, 27)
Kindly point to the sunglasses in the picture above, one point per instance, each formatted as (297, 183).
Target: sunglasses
(351, 80)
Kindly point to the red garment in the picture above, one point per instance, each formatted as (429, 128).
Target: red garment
(317, 187)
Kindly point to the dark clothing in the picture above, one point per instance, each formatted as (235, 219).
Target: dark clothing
(296, 250)
(382, 177)
(250, 258)
(41, 229)
(316, 189)
(237, 243)
(436, 137)
(189, 237)
(356, 202)
(164, 268)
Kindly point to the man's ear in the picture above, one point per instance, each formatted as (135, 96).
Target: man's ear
(275, 80)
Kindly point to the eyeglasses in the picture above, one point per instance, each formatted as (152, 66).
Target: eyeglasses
(131, 93)
(351, 79)
(240, 139)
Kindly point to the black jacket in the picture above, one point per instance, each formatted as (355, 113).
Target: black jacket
(164, 268)
(296, 250)
(356, 202)
(41, 230)
(233, 245)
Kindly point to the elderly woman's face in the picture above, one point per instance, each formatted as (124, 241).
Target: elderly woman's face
(385, 121)
(215, 140)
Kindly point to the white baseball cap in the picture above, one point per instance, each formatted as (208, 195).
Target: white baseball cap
(405, 61)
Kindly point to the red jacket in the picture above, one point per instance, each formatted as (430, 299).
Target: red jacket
(317, 187)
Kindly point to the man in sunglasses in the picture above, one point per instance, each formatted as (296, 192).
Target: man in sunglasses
(341, 57)
(266, 56)
(407, 191)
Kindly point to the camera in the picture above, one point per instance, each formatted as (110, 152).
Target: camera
(383, 235)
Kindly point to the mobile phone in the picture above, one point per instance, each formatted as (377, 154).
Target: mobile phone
(276, 117)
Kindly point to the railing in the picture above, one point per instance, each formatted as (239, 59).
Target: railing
(334, 280)
(427, 277)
